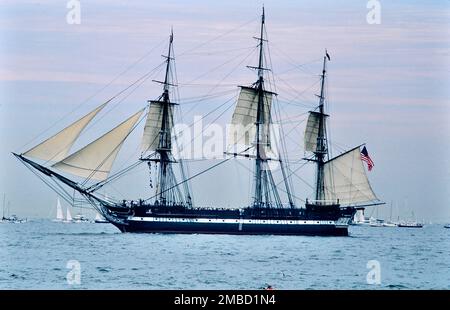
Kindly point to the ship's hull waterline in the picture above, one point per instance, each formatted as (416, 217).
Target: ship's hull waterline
(235, 227)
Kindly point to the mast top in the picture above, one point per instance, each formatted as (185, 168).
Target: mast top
(166, 83)
(263, 15)
(261, 50)
(166, 78)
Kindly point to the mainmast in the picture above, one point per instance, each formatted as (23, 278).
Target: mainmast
(321, 151)
(266, 194)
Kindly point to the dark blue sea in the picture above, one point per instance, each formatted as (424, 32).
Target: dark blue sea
(41, 254)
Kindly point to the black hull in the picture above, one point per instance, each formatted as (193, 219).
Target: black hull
(311, 221)
(410, 226)
(233, 229)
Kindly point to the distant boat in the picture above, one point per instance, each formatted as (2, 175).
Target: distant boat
(68, 216)
(376, 222)
(3, 211)
(359, 218)
(59, 212)
(99, 219)
(10, 218)
(447, 226)
(13, 219)
(80, 218)
(410, 225)
(390, 224)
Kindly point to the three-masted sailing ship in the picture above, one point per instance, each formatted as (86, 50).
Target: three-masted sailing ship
(341, 184)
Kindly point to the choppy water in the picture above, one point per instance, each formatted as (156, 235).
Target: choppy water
(34, 255)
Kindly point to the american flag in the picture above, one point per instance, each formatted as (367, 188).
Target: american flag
(365, 157)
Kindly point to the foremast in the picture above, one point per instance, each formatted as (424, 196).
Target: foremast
(321, 151)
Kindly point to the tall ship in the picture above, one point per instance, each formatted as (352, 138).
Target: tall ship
(341, 186)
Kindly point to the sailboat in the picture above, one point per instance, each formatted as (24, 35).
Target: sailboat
(410, 223)
(68, 218)
(99, 219)
(341, 183)
(59, 212)
(390, 223)
(376, 221)
(3, 209)
(359, 218)
(10, 218)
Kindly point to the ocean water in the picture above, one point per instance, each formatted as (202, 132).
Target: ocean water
(35, 255)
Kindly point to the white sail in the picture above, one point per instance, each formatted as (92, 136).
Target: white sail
(68, 215)
(345, 179)
(244, 117)
(59, 212)
(152, 129)
(311, 131)
(98, 217)
(359, 217)
(95, 160)
(58, 146)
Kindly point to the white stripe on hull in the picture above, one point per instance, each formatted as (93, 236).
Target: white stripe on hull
(235, 221)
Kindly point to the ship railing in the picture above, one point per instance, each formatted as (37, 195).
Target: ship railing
(324, 202)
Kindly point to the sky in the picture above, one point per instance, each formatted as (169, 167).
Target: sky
(388, 87)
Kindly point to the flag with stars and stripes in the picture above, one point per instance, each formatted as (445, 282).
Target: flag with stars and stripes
(365, 157)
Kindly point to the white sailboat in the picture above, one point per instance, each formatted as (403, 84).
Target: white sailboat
(68, 216)
(59, 212)
(359, 218)
(100, 219)
(10, 218)
(375, 221)
(80, 218)
(390, 223)
(410, 223)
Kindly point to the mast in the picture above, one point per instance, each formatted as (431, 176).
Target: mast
(390, 213)
(164, 147)
(259, 116)
(266, 193)
(322, 148)
(4, 199)
(166, 192)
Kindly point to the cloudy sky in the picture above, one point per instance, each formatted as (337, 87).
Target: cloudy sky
(388, 86)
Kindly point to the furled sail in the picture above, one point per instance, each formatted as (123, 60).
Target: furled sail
(95, 160)
(345, 179)
(58, 146)
(152, 129)
(243, 129)
(312, 131)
